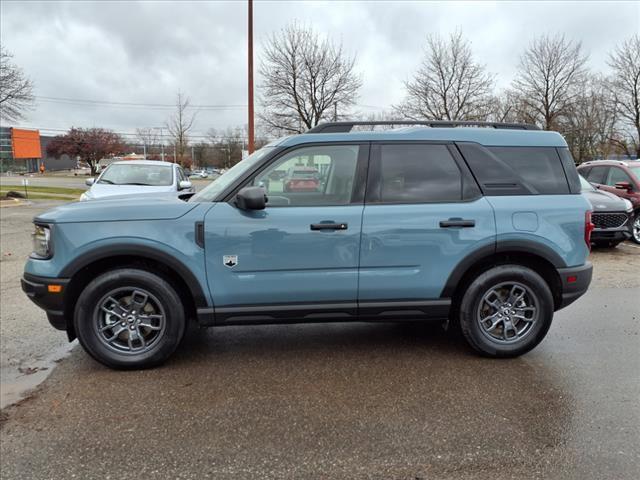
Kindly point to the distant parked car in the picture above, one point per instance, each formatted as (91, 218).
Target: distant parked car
(138, 177)
(302, 179)
(612, 216)
(622, 178)
(199, 174)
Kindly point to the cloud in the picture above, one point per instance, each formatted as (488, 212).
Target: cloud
(144, 52)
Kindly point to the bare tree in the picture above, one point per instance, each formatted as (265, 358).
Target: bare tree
(179, 125)
(549, 78)
(449, 85)
(589, 125)
(16, 90)
(625, 87)
(147, 136)
(306, 79)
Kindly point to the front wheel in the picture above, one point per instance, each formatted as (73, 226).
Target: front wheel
(635, 234)
(129, 318)
(506, 311)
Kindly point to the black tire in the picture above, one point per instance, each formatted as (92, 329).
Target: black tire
(469, 312)
(162, 299)
(635, 232)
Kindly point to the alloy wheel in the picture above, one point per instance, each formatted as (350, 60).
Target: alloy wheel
(508, 312)
(129, 320)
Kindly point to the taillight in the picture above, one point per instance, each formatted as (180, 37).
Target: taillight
(588, 228)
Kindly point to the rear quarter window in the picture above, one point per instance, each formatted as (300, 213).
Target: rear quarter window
(539, 167)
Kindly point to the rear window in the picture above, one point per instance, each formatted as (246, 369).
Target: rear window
(539, 167)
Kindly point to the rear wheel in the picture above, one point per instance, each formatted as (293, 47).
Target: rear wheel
(506, 311)
(129, 318)
(636, 229)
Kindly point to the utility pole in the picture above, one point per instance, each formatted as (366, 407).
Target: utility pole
(250, 65)
(335, 111)
(161, 144)
(144, 149)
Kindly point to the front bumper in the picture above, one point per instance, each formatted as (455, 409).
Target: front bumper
(575, 282)
(38, 290)
(611, 234)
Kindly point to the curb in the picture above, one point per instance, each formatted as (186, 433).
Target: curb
(12, 202)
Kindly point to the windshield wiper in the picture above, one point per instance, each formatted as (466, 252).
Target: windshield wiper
(104, 180)
(135, 183)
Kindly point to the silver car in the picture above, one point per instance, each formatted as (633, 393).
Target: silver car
(138, 177)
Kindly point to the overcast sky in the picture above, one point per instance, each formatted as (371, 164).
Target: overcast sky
(144, 52)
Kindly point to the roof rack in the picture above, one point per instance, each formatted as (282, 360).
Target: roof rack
(345, 127)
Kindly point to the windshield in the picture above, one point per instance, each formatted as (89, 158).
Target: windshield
(135, 174)
(585, 186)
(212, 190)
(635, 169)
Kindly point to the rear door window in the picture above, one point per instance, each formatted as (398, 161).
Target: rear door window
(418, 173)
(539, 167)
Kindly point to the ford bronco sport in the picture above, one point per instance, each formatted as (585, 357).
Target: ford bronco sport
(479, 224)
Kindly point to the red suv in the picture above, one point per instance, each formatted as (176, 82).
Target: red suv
(621, 178)
(302, 179)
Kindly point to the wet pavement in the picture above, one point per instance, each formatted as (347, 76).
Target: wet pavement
(347, 401)
(382, 401)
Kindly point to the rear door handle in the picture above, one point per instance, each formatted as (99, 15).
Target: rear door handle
(329, 226)
(457, 222)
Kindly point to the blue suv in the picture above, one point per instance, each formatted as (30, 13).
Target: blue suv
(479, 224)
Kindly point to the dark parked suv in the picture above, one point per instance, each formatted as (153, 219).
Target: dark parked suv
(612, 216)
(622, 178)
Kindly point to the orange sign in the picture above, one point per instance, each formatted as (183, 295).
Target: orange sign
(26, 143)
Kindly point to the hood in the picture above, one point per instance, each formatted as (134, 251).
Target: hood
(120, 209)
(602, 201)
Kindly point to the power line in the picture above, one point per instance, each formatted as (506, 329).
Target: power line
(134, 134)
(162, 106)
(156, 106)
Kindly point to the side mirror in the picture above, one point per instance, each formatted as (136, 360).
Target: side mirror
(89, 181)
(184, 185)
(624, 186)
(251, 198)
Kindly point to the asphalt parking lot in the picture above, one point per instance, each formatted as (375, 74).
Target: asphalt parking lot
(387, 401)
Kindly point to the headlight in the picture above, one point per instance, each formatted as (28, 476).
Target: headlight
(628, 205)
(42, 242)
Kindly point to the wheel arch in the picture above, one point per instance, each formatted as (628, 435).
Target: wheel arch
(535, 257)
(110, 257)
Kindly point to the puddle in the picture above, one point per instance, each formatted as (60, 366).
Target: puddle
(17, 382)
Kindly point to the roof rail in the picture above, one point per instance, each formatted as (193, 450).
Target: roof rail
(345, 127)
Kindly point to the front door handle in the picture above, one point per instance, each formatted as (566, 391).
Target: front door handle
(329, 226)
(457, 222)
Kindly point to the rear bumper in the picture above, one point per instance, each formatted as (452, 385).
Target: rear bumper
(575, 282)
(37, 289)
